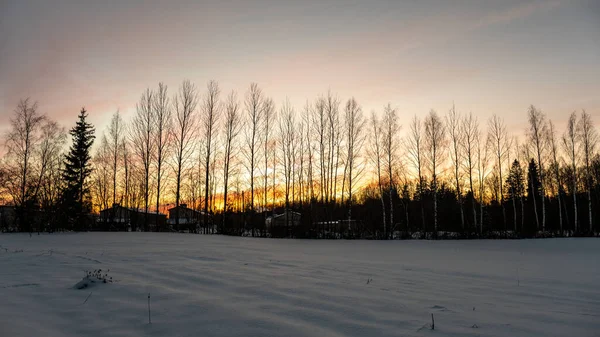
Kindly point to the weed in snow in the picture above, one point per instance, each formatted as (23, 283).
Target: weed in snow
(93, 277)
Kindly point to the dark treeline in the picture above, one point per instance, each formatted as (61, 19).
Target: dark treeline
(325, 170)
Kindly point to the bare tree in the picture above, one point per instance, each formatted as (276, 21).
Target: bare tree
(332, 104)
(47, 153)
(456, 133)
(267, 130)
(101, 177)
(231, 131)
(301, 160)
(482, 172)
(211, 109)
(555, 164)
(435, 132)
(161, 108)
(537, 131)
(589, 139)
(306, 119)
(390, 152)
(319, 122)
(21, 143)
(376, 156)
(114, 143)
(51, 152)
(287, 139)
(354, 134)
(142, 129)
(470, 128)
(570, 145)
(126, 159)
(184, 133)
(254, 111)
(499, 142)
(415, 146)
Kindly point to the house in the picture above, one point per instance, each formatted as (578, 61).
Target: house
(285, 219)
(123, 218)
(189, 219)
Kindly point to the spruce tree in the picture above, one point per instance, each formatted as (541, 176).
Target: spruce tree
(515, 181)
(77, 169)
(533, 181)
(533, 189)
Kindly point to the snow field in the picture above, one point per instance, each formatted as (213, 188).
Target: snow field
(231, 286)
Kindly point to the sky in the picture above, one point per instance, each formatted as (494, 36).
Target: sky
(486, 57)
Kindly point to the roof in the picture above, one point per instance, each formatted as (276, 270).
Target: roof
(131, 209)
(283, 214)
(187, 209)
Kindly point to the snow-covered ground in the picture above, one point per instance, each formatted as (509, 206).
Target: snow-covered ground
(230, 286)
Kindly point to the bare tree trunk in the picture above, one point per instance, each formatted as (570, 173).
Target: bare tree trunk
(470, 132)
(436, 143)
(142, 131)
(554, 150)
(184, 132)
(286, 136)
(115, 132)
(162, 117)
(457, 136)
(537, 131)
(254, 109)
(414, 146)
(498, 138)
(268, 119)
(570, 138)
(390, 122)
(232, 129)
(589, 140)
(211, 110)
(376, 153)
(354, 126)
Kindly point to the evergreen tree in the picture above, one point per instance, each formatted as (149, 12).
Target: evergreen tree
(516, 189)
(533, 181)
(514, 181)
(533, 190)
(75, 198)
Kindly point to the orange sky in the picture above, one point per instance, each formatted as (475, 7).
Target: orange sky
(486, 56)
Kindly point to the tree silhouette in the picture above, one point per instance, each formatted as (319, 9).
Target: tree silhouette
(76, 172)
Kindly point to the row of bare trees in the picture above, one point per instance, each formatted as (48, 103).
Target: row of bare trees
(226, 156)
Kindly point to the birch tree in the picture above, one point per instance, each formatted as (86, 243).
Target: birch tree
(589, 139)
(142, 128)
(21, 143)
(435, 137)
(162, 134)
(455, 131)
(209, 120)
(499, 142)
(390, 152)
(482, 172)
(470, 128)
(415, 145)
(254, 113)
(555, 165)
(570, 141)
(287, 139)
(231, 130)
(267, 131)
(354, 132)
(376, 156)
(115, 141)
(537, 130)
(184, 134)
